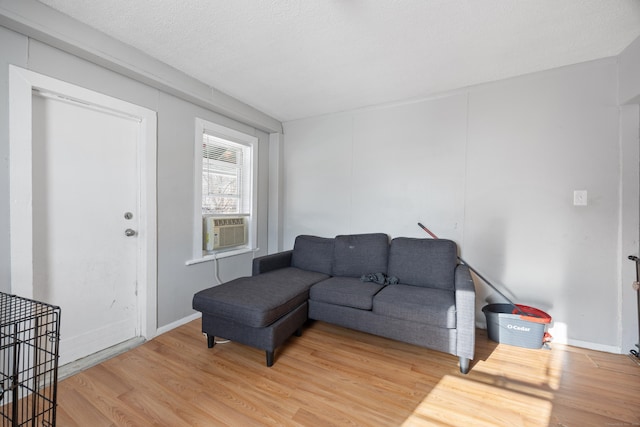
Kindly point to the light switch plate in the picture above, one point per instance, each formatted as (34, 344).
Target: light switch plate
(580, 198)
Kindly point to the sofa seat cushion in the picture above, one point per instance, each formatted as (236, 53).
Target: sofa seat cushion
(260, 300)
(345, 291)
(417, 304)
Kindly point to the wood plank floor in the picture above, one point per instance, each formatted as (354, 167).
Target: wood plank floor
(333, 376)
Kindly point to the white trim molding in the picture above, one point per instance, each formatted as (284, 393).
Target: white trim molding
(22, 83)
(204, 126)
(178, 323)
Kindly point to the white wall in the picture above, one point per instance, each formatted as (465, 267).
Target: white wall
(629, 97)
(494, 168)
(532, 142)
(377, 170)
(629, 72)
(177, 282)
(14, 51)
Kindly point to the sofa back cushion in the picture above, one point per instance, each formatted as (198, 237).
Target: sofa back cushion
(423, 262)
(358, 254)
(313, 254)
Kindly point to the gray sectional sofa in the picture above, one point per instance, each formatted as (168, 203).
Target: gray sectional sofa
(408, 289)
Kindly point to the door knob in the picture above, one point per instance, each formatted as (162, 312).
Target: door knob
(129, 232)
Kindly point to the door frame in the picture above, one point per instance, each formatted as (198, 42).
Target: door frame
(22, 83)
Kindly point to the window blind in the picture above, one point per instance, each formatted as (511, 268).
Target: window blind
(226, 176)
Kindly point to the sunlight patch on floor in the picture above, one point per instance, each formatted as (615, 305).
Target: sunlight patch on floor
(455, 400)
(513, 387)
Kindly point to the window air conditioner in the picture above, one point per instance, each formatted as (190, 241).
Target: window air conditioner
(221, 233)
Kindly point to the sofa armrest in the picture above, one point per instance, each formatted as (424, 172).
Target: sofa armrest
(465, 295)
(271, 262)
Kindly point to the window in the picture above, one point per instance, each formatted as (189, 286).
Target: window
(225, 169)
(225, 176)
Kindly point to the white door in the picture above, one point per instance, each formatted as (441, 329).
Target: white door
(85, 222)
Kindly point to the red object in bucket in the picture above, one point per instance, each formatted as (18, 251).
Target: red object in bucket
(531, 314)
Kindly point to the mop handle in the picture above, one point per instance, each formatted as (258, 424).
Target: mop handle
(478, 274)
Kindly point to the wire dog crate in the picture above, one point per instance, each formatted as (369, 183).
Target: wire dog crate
(29, 344)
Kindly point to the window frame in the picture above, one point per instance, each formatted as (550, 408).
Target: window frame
(203, 126)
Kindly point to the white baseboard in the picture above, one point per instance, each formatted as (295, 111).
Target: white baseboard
(559, 331)
(177, 323)
(559, 337)
(594, 346)
(87, 362)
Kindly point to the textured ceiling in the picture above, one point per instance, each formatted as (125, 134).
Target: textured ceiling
(299, 58)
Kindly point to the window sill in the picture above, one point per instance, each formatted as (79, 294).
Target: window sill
(222, 254)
